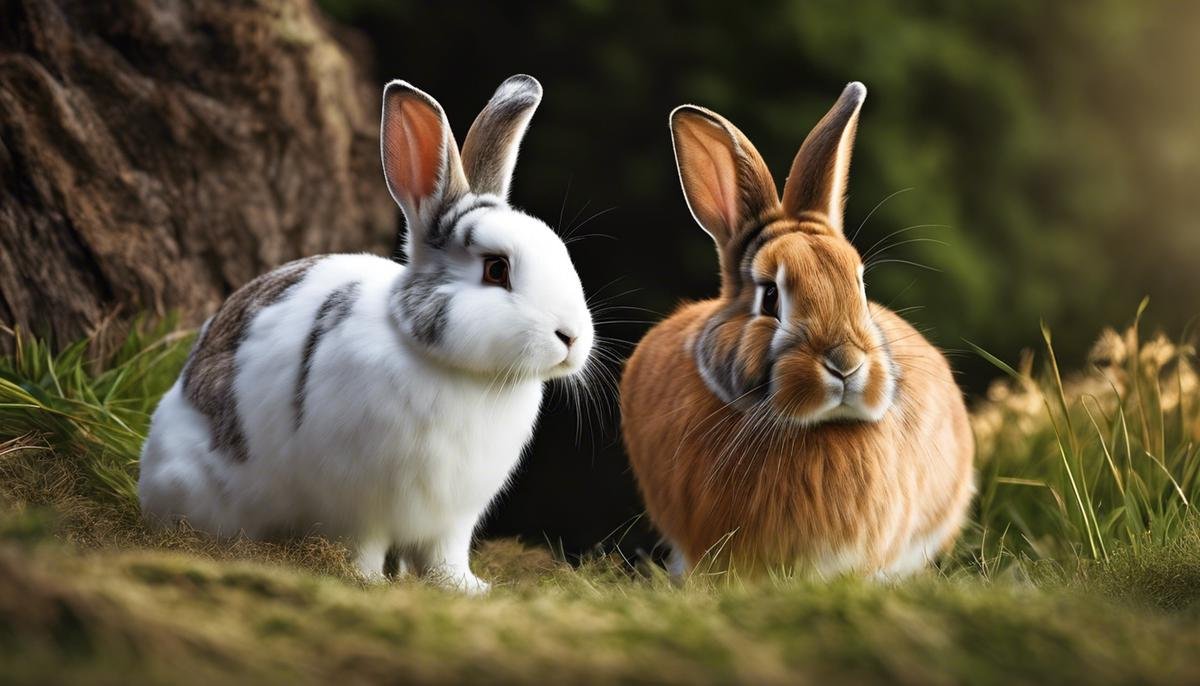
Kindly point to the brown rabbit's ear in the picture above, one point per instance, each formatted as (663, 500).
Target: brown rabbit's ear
(724, 179)
(817, 181)
(420, 157)
(489, 152)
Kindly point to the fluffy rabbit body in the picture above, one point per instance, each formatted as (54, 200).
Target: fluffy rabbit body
(791, 422)
(381, 403)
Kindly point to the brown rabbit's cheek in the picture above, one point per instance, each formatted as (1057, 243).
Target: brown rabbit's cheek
(875, 391)
(724, 340)
(799, 389)
(754, 353)
(719, 355)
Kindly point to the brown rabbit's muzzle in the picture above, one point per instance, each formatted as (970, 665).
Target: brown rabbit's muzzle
(811, 384)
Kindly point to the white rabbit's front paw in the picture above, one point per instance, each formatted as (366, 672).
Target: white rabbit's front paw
(472, 585)
(459, 579)
(462, 580)
(369, 561)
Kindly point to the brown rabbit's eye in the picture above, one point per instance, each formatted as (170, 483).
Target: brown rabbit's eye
(495, 271)
(769, 307)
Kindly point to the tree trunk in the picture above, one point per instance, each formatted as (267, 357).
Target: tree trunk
(156, 155)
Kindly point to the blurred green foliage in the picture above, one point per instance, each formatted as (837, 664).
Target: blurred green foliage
(1051, 150)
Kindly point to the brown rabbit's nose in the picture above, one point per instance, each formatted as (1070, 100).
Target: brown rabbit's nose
(843, 361)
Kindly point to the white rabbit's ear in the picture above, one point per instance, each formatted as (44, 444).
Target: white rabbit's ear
(817, 181)
(420, 156)
(725, 181)
(489, 152)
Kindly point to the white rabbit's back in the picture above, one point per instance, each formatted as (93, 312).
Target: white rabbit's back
(200, 430)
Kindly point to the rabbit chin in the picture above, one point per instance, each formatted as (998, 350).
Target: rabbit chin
(572, 365)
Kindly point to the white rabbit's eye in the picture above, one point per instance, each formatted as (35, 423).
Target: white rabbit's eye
(769, 305)
(495, 271)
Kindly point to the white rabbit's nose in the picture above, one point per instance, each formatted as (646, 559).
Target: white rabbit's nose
(565, 337)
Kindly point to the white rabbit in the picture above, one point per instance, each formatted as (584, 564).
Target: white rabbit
(383, 404)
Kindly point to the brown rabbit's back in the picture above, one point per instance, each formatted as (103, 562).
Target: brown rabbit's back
(728, 486)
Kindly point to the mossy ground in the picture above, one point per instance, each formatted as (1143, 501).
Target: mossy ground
(1082, 565)
(150, 615)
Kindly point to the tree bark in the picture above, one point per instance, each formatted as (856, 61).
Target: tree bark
(156, 155)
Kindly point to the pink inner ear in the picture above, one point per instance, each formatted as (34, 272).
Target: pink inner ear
(413, 139)
(709, 174)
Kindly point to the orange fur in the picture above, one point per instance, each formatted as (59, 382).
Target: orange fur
(761, 479)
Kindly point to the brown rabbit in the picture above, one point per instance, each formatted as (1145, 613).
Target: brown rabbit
(790, 422)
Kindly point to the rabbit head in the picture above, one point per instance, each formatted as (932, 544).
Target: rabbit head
(794, 331)
(488, 289)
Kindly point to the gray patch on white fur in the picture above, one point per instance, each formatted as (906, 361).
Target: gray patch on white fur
(443, 229)
(423, 309)
(468, 238)
(209, 376)
(332, 312)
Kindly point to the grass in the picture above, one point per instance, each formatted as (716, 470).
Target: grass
(1082, 562)
(1084, 466)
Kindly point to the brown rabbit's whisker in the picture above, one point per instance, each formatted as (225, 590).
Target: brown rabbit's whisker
(889, 343)
(723, 407)
(906, 229)
(751, 431)
(725, 440)
(891, 260)
(900, 294)
(874, 209)
(751, 424)
(768, 428)
(892, 246)
(910, 367)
